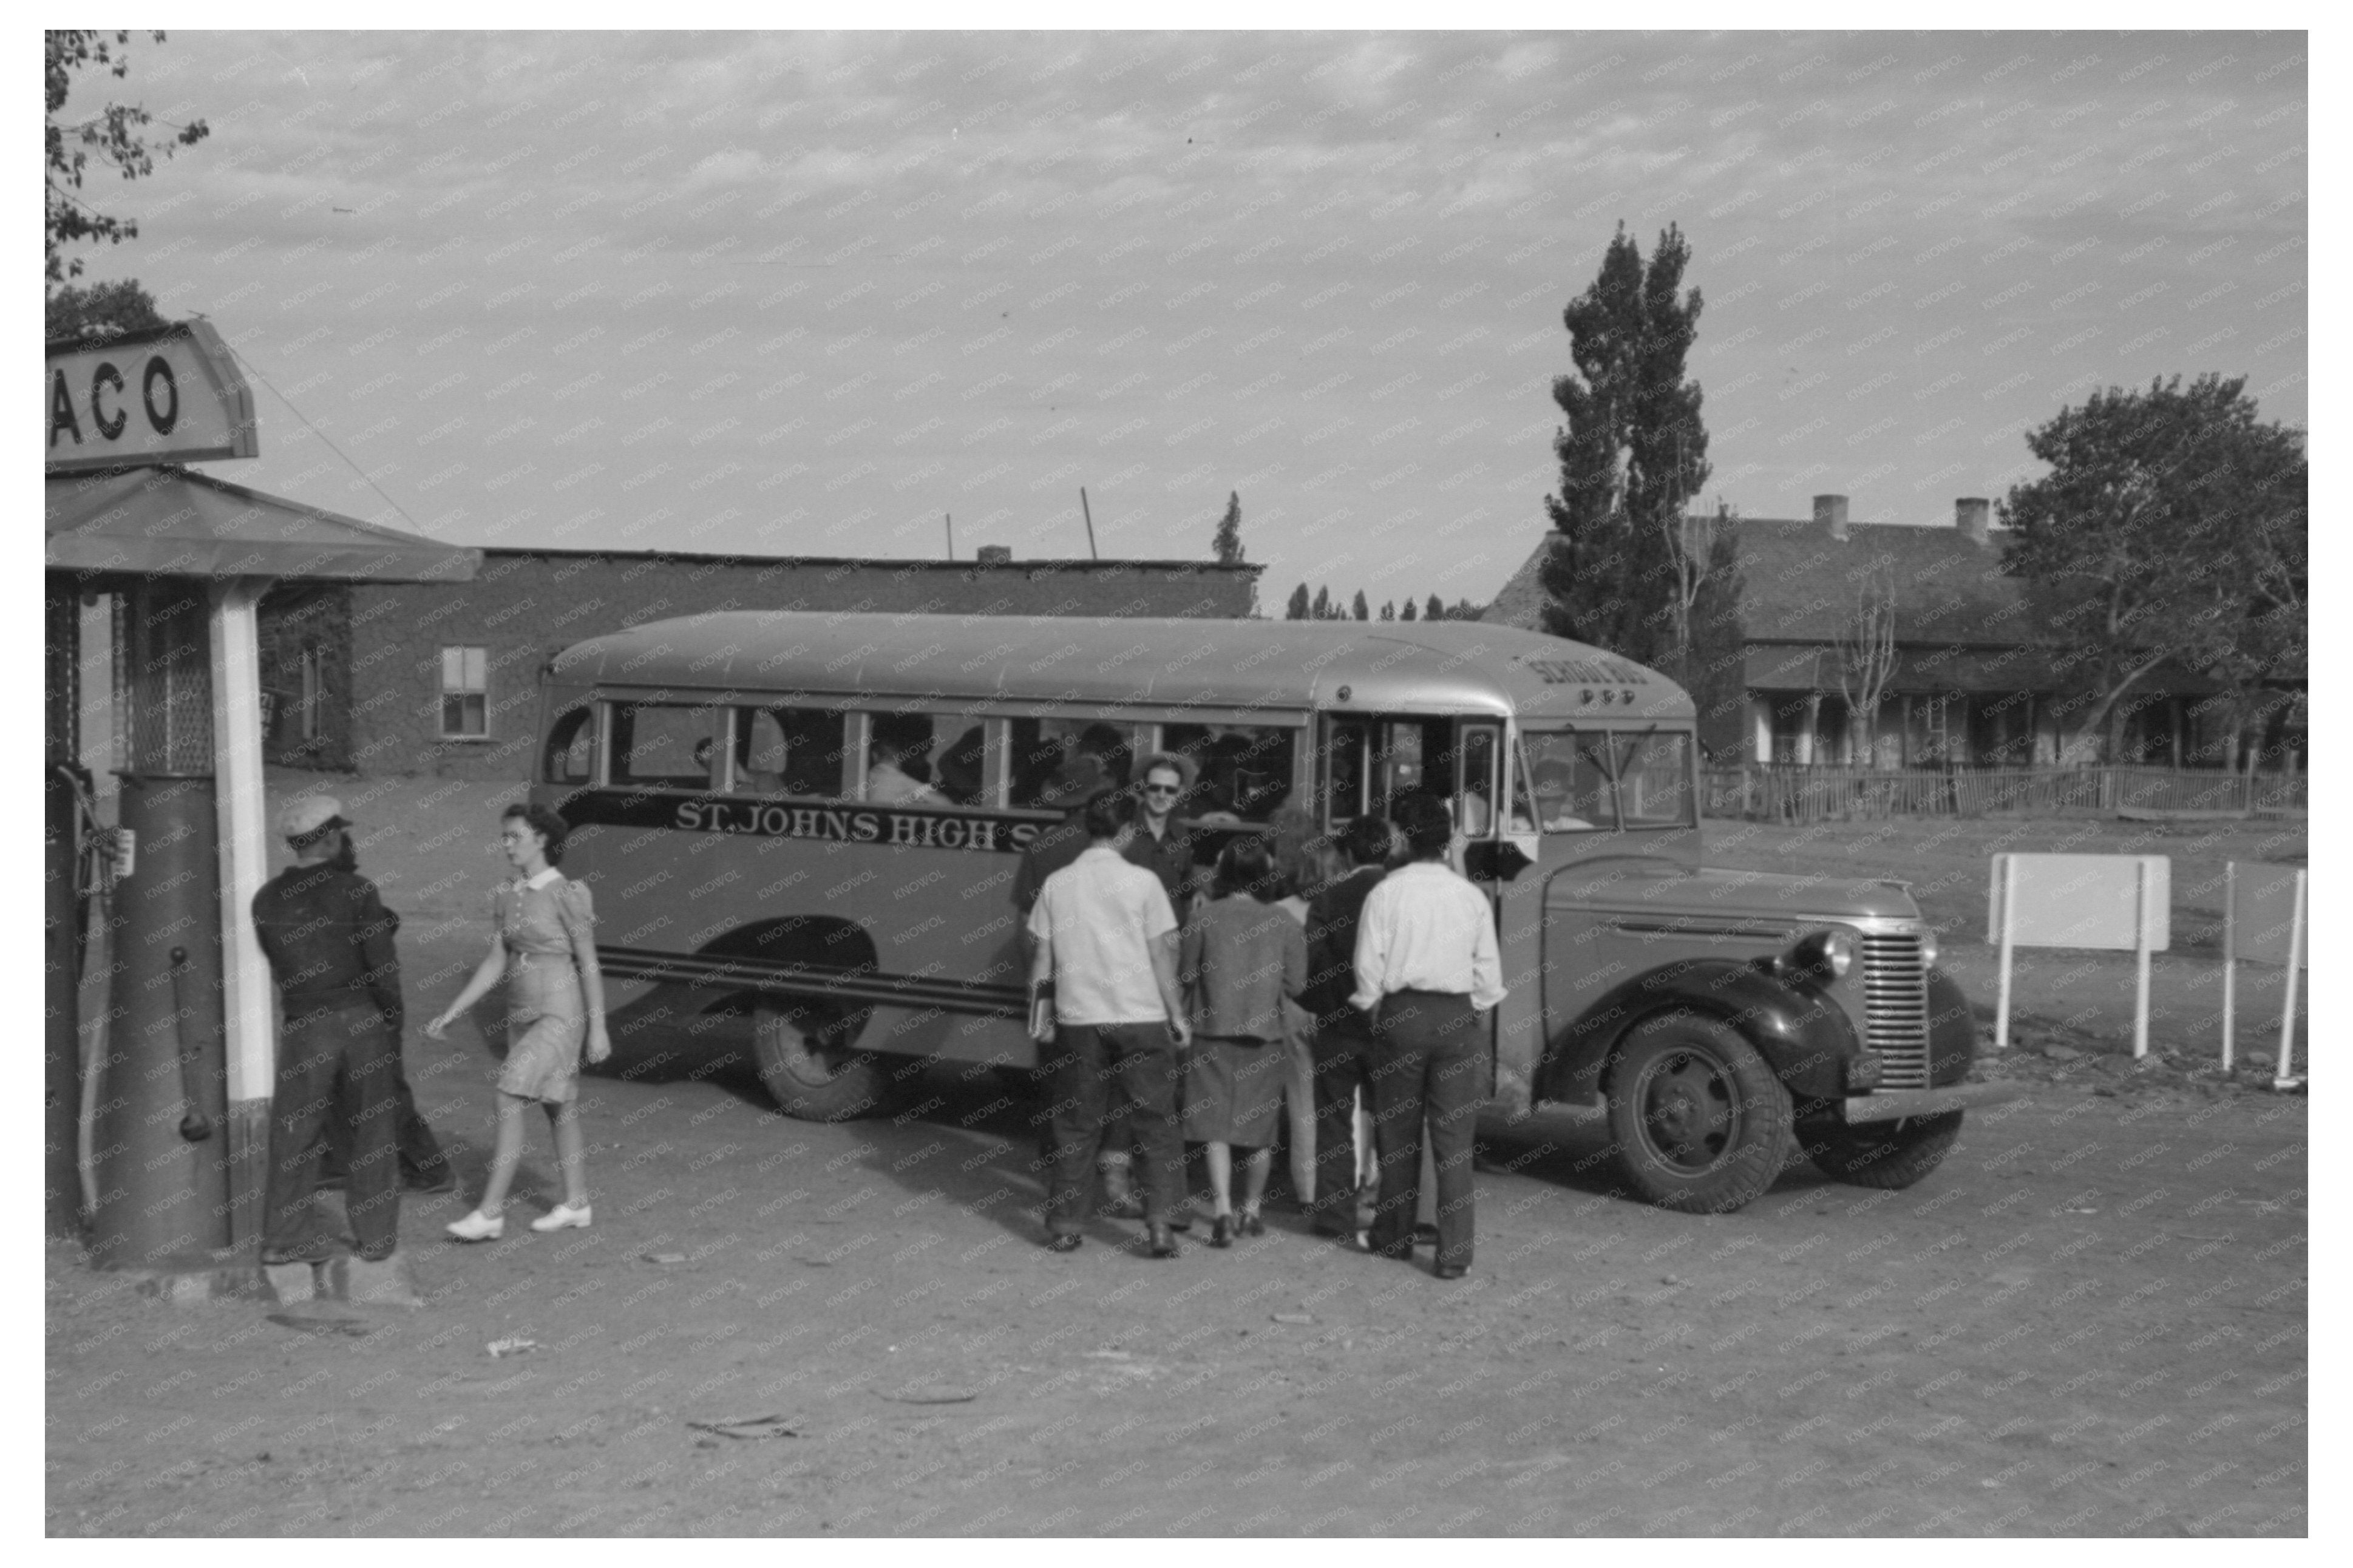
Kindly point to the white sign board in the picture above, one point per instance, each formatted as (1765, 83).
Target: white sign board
(170, 395)
(2119, 901)
(2083, 900)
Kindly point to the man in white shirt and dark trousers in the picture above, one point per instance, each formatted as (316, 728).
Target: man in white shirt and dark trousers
(1104, 934)
(1428, 969)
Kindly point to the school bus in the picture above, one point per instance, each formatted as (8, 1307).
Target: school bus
(816, 819)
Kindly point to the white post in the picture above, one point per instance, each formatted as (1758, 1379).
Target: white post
(2140, 959)
(2282, 1077)
(239, 809)
(2006, 877)
(2230, 955)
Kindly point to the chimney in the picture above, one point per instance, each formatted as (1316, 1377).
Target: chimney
(1832, 510)
(996, 555)
(1973, 515)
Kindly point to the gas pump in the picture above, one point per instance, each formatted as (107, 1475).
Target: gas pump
(159, 1195)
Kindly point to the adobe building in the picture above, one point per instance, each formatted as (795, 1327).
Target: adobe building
(442, 679)
(1970, 686)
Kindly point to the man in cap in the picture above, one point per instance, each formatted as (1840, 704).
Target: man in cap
(424, 1167)
(328, 941)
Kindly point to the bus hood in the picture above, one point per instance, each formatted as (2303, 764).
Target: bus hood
(1657, 887)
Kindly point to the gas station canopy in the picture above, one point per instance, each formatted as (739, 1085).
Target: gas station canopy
(187, 558)
(173, 520)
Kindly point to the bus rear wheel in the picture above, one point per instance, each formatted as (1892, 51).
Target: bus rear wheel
(805, 1050)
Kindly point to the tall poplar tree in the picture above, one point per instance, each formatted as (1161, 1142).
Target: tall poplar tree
(1626, 572)
(1228, 541)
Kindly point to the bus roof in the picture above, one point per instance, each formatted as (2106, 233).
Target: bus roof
(1429, 667)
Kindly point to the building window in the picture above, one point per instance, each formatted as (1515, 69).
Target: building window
(465, 692)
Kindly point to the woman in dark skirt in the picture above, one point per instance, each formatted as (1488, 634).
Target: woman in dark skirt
(1242, 957)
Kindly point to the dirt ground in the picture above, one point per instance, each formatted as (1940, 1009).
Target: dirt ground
(2090, 1322)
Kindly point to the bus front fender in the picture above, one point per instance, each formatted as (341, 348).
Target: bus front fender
(1804, 1038)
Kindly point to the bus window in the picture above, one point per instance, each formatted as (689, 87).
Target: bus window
(928, 758)
(786, 751)
(661, 746)
(1654, 779)
(1245, 770)
(1368, 763)
(1055, 762)
(1340, 769)
(571, 754)
(1475, 758)
(1569, 772)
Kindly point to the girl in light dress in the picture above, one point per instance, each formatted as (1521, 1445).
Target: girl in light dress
(543, 943)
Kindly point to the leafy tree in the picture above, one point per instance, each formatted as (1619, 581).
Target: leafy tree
(1435, 610)
(1627, 572)
(1388, 609)
(1408, 611)
(1360, 609)
(100, 312)
(1297, 610)
(117, 136)
(1228, 540)
(1321, 610)
(2172, 524)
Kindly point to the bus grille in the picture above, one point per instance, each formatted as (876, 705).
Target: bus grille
(1896, 998)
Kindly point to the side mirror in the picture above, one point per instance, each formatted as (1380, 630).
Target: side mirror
(1493, 861)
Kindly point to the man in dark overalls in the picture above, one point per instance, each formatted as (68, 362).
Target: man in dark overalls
(328, 941)
(424, 1167)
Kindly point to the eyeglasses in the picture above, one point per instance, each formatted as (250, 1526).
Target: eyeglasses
(1164, 789)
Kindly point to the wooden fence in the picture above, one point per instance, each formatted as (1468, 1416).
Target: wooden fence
(1789, 793)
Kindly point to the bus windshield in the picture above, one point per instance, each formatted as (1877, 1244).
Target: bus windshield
(1589, 780)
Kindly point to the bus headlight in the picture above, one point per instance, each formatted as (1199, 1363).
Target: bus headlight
(1825, 955)
(1927, 947)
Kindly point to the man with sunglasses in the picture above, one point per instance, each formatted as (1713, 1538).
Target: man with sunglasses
(1160, 847)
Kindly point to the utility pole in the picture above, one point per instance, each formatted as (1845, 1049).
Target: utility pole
(949, 520)
(1085, 511)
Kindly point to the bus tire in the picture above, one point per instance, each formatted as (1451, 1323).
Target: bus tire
(1891, 1155)
(1697, 1120)
(803, 1048)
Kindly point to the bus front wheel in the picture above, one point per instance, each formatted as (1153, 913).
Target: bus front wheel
(1699, 1120)
(806, 1054)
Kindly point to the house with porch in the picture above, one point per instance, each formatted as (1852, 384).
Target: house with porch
(1967, 685)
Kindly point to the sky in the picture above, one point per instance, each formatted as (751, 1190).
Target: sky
(811, 293)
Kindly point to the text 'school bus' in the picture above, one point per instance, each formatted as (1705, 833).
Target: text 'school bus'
(818, 817)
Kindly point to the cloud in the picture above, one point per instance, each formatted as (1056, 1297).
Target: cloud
(734, 166)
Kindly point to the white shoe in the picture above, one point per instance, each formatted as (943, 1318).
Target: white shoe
(563, 1217)
(478, 1226)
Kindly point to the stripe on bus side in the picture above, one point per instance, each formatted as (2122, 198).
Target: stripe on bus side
(866, 986)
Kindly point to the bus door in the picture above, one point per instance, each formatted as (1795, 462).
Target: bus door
(1365, 761)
